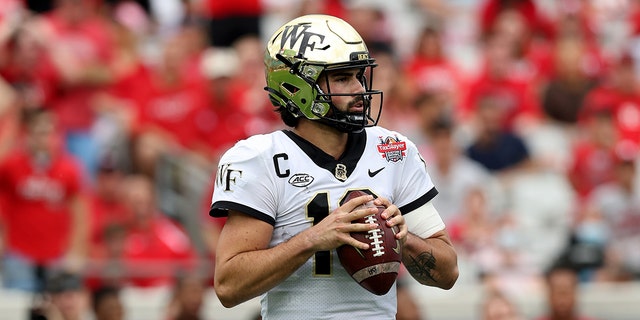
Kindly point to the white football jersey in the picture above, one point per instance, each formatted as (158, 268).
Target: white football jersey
(284, 180)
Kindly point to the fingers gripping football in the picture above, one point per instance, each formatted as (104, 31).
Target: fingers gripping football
(335, 229)
(393, 217)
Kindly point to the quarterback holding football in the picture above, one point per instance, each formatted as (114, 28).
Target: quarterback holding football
(289, 195)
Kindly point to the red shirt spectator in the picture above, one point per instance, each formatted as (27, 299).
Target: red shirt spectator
(81, 45)
(27, 67)
(156, 252)
(171, 96)
(593, 155)
(155, 248)
(222, 123)
(490, 10)
(172, 111)
(41, 195)
(591, 167)
(514, 96)
(620, 96)
(36, 207)
(107, 207)
(431, 71)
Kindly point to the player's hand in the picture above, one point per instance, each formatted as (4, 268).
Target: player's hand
(334, 230)
(394, 218)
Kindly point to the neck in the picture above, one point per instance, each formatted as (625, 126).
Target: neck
(328, 139)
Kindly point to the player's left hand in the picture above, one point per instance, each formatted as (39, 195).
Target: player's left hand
(394, 218)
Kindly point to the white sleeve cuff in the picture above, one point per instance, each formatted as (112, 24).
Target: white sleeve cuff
(424, 221)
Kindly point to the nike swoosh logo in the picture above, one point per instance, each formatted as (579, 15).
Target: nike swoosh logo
(373, 173)
(397, 248)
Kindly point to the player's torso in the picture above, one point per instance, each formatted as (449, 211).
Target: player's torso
(309, 186)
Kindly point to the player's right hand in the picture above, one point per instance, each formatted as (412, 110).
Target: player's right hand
(334, 230)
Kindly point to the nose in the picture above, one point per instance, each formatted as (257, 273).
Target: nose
(356, 86)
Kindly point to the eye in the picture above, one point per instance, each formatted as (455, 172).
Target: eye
(341, 79)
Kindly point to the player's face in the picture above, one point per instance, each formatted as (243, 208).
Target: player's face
(345, 82)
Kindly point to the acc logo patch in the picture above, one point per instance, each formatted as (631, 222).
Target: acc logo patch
(392, 149)
(300, 180)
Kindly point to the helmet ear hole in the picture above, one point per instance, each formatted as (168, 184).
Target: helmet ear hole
(291, 89)
(303, 100)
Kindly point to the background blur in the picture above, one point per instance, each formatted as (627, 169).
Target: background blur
(113, 114)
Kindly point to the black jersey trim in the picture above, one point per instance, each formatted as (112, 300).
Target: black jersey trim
(221, 209)
(352, 154)
(419, 202)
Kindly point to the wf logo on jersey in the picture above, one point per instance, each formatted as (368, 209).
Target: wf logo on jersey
(299, 32)
(392, 149)
(227, 177)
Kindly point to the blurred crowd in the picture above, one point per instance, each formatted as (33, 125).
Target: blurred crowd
(113, 114)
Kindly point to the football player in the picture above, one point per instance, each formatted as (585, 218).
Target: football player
(283, 192)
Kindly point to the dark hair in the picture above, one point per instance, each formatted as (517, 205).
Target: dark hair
(63, 281)
(286, 116)
(30, 116)
(98, 295)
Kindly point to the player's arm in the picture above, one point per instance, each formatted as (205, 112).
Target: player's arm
(245, 265)
(429, 257)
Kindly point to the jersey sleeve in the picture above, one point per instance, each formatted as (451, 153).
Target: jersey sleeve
(242, 183)
(414, 187)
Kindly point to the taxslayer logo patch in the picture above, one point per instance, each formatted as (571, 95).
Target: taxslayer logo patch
(392, 149)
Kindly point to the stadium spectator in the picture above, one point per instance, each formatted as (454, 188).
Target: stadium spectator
(68, 299)
(187, 300)
(433, 73)
(43, 207)
(80, 43)
(26, 66)
(619, 93)
(453, 171)
(498, 149)
(169, 103)
(490, 10)
(106, 203)
(507, 264)
(106, 304)
(562, 295)
(117, 106)
(106, 265)
(496, 306)
(155, 248)
(472, 228)
(222, 122)
(618, 203)
(593, 151)
(498, 81)
(564, 94)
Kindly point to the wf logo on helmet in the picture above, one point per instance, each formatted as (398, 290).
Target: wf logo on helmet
(392, 149)
(297, 32)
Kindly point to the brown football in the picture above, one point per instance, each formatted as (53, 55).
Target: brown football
(376, 268)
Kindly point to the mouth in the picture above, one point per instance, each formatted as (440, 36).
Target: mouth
(356, 106)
